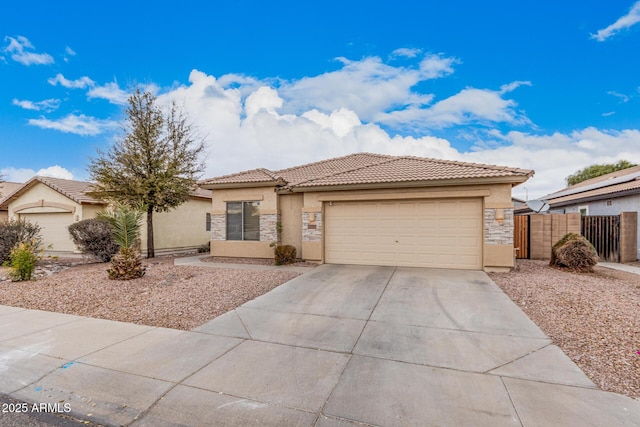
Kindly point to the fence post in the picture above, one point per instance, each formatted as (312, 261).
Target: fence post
(628, 236)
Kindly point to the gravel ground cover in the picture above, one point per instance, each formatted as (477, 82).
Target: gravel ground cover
(594, 318)
(180, 297)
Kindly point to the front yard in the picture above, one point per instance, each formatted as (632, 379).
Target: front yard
(594, 318)
(182, 297)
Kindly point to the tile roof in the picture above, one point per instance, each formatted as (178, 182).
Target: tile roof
(610, 184)
(8, 188)
(367, 168)
(77, 191)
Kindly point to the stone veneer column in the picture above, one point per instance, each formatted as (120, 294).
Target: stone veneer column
(218, 227)
(311, 226)
(498, 231)
(268, 227)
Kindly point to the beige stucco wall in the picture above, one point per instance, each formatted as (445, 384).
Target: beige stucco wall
(497, 204)
(291, 219)
(234, 248)
(181, 228)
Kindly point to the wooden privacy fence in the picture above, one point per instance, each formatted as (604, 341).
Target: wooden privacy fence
(603, 231)
(614, 237)
(521, 236)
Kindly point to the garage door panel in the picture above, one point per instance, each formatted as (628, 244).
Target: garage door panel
(53, 229)
(429, 233)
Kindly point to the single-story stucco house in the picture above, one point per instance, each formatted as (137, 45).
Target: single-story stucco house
(609, 194)
(370, 209)
(55, 203)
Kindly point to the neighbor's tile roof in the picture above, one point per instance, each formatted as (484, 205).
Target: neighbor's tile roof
(367, 168)
(8, 188)
(74, 190)
(585, 189)
(611, 190)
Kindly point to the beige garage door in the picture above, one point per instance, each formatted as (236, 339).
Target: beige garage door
(443, 233)
(53, 229)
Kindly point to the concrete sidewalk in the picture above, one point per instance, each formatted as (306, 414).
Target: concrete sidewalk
(621, 267)
(196, 261)
(337, 346)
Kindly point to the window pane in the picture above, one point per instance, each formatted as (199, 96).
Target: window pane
(207, 223)
(234, 221)
(251, 221)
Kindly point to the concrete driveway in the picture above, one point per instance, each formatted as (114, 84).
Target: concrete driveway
(337, 346)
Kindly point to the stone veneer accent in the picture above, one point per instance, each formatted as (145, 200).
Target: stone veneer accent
(495, 232)
(218, 227)
(310, 234)
(268, 230)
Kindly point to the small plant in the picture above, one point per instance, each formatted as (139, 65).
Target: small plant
(22, 260)
(125, 223)
(284, 254)
(94, 236)
(575, 252)
(126, 265)
(14, 232)
(206, 248)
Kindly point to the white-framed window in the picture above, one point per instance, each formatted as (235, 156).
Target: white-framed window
(243, 220)
(584, 210)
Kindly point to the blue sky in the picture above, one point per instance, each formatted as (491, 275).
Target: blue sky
(550, 86)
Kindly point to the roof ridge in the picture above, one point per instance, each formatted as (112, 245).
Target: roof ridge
(46, 180)
(387, 160)
(271, 174)
(462, 163)
(330, 160)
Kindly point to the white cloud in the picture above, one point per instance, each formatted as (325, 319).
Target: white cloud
(470, 105)
(556, 156)
(624, 22)
(405, 52)
(76, 124)
(620, 96)
(80, 83)
(111, 92)
(245, 132)
(47, 105)
(22, 174)
(69, 51)
(19, 49)
(367, 86)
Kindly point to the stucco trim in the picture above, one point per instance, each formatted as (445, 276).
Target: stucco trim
(410, 195)
(244, 198)
(44, 204)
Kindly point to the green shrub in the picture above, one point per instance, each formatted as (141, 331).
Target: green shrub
(23, 259)
(575, 252)
(284, 254)
(95, 237)
(14, 232)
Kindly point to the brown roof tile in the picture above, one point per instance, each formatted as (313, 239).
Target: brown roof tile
(367, 168)
(7, 189)
(251, 176)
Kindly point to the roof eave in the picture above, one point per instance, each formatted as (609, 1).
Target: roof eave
(231, 185)
(594, 198)
(514, 180)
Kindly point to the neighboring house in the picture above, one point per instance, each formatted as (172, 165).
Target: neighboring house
(608, 194)
(6, 188)
(370, 209)
(55, 203)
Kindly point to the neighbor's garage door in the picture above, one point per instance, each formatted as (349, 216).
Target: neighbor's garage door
(443, 233)
(53, 229)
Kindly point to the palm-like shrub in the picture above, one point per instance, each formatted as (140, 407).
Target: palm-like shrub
(125, 223)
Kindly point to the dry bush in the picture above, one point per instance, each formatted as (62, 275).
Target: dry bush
(284, 254)
(578, 255)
